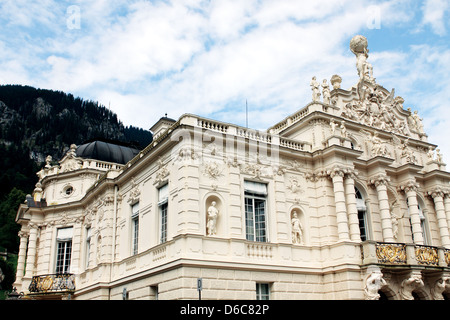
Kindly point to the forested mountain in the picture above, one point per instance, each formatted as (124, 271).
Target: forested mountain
(35, 123)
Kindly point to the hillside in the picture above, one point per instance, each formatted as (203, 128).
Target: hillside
(35, 123)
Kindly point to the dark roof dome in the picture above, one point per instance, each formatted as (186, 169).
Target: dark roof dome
(106, 151)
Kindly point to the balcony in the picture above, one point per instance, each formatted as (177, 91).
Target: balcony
(52, 284)
(400, 254)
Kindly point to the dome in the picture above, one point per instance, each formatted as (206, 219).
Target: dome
(106, 151)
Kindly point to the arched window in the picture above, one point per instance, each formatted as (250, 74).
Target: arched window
(362, 215)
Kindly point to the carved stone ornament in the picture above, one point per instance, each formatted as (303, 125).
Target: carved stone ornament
(410, 284)
(134, 193)
(373, 283)
(212, 170)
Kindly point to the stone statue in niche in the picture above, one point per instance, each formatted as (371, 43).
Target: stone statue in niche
(297, 234)
(212, 215)
(315, 87)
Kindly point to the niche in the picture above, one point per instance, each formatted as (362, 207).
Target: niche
(297, 226)
(213, 215)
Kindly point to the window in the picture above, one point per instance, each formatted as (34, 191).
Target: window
(135, 227)
(255, 211)
(163, 202)
(64, 250)
(362, 214)
(262, 291)
(88, 245)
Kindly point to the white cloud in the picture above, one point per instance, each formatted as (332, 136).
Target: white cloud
(147, 58)
(434, 13)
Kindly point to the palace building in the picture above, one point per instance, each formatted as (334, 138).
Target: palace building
(344, 199)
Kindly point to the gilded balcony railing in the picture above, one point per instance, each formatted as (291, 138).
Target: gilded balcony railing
(52, 283)
(394, 253)
(427, 255)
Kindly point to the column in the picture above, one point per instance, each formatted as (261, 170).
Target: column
(31, 255)
(438, 198)
(349, 184)
(380, 182)
(22, 256)
(410, 189)
(447, 208)
(337, 175)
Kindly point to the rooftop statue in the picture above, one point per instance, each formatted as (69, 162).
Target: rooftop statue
(358, 45)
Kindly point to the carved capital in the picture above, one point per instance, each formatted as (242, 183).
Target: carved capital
(380, 179)
(408, 186)
(436, 192)
(340, 171)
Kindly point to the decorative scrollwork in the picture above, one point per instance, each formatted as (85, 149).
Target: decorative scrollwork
(52, 283)
(427, 255)
(391, 253)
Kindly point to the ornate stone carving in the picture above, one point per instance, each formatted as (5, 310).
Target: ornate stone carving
(409, 186)
(135, 192)
(373, 283)
(336, 81)
(378, 147)
(359, 46)
(410, 284)
(439, 287)
(212, 170)
(379, 179)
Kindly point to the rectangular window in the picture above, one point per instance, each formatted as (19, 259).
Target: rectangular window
(135, 227)
(64, 250)
(262, 291)
(163, 205)
(255, 211)
(88, 246)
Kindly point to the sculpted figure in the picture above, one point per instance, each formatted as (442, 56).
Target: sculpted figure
(343, 130)
(326, 92)
(333, 127)
(212, 213)
(315, 87)
(409, 285)
(438, 156)
(296, 229)
(374, 283)
(418, 122)
(359, 46)
(439, 288)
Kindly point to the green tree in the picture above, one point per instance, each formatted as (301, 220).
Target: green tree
(9, 229)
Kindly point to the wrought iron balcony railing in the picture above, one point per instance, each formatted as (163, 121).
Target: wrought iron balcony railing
(52, 283)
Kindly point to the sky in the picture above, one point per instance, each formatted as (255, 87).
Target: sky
(208, 57)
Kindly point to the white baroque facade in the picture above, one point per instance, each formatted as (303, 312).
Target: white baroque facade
(345, 199)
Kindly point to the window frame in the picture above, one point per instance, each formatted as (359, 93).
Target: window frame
(255, 200)
(263, 295)
(63, 251)
(163, 209)
(135, 228)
